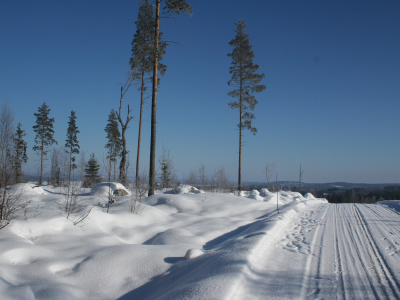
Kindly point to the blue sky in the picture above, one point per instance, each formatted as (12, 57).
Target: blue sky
(331, 70)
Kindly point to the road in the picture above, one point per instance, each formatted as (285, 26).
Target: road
(335, 251)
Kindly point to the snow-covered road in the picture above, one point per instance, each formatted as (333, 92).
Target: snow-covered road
(336, 251)
(354, 254)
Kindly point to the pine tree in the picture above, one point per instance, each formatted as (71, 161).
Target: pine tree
(91, 172)
(143, 57)
(170, 7)
(19, 156)
(44, 134)
(245, 81)
(72, 143)
(167, 169)
(114, 143)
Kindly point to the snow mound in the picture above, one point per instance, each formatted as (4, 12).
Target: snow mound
(103, 189)
(186, 189)
(192, 253)
(264, 192)
(393, 205)
(177, 204)
(243, 194)
(254, 194)
(309, 196)
(27, 189)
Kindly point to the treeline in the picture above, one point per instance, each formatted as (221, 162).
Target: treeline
(360, 195)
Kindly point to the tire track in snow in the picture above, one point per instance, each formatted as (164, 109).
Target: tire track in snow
(389, 287)
(344, 246)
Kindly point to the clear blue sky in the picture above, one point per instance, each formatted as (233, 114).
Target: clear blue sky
(332, 71)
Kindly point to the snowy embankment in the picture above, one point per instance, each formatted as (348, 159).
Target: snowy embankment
(188, 245)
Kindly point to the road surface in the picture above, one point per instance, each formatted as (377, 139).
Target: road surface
(335, 251)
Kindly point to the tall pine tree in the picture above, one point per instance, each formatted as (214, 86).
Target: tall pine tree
(44, 134)
(19, 156)
(72, 143)
(170, 7)
(245, 82)
(143, 57)
(114, 143)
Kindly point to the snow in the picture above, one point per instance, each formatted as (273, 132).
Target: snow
(393, 205)
(198, 245)
(103, 189)
(27, 189)
(186, 189)
(192, 253)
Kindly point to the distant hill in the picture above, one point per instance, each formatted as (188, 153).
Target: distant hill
(322, 186)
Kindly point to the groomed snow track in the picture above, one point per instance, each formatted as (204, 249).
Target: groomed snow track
(353, 255)
(335, 251)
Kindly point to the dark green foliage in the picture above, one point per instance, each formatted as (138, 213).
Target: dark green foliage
(44, 129)
(167, 169)
(177, 7)
(44, 134)
(91, 172)
(19, 156)
(114, 144)
(143, 51)
(244, 78)
(72, 141)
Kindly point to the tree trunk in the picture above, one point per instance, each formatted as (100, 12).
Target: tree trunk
(109, 188)
(240, 133)
(122, 172)
(140, 129)
(41, 166)
(152, 169)
(69, 181)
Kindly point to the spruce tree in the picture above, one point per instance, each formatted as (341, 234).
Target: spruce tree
(114, 143)
(19, 156)
(170, 7)
(245, 81)
(143, 57)
(72, 143)
(92, 172)
(44, 134)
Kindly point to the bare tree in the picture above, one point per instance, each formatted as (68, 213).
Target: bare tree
(124, 127)
(10, 200)
(220, 181)
(108, 168)
(139, 190)
(269, 170)
(203, 180)
(6, 141)
(82, 164)
(192, 178)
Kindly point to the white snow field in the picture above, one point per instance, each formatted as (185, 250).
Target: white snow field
(202, 245)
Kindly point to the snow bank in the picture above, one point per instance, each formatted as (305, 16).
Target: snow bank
(254, 194)
(193, 253)
(103, 189)
(193, 244)
(393, 205)
(27, 189)
(309, 196)
(186, 189)
(264, 192)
